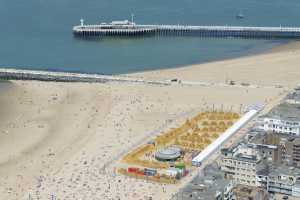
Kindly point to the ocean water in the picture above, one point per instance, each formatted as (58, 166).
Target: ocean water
(37, 34)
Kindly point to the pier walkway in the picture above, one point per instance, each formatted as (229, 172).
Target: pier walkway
(126, 28)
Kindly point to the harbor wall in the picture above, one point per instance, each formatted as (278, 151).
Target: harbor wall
(18, 74)
(29, 75)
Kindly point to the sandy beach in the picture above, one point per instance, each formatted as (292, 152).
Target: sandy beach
(278, 67)
(63, 139)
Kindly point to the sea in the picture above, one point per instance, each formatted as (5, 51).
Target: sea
(37, 34)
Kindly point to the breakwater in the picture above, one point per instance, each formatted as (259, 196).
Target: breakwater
(18, 74)
(126, 28)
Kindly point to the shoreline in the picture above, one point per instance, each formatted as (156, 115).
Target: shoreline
(289, 46)
(282, 47)
(277, 61)
(278, 46)
(65, 76)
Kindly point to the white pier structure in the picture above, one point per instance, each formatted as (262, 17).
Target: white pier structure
(214, 146)
(129, 28)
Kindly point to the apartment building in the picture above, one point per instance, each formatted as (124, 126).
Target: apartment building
(284, 118)
(241, 192)
(240, 164)
(210, 184)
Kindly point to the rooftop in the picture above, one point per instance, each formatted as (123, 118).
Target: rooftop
(243, 152)
(168, 153)
(269, 169)
(285, 111)
(206, 185)
(248, 192)
(263, 169)
(246, 158)
(294, 97)
(284, 170)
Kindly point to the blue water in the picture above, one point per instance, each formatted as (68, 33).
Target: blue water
(36, 34)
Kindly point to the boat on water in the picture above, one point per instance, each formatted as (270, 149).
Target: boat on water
(240, 15)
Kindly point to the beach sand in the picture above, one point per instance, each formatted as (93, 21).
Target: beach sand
(64, 139)
(279, 67)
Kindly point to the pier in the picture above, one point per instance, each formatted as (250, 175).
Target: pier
(130, 29)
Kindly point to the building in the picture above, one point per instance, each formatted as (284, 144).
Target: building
(280, 179)
(294, 150)
(245, 164)
(293, 97)
(240, 164)
(268, 158)
(241, 192)
(288, 148)
(279, 170)
(284, 118)
(284, 180)
(170, 153)
(296, 189)
(209, 184)
(267, 145)
(277, 148)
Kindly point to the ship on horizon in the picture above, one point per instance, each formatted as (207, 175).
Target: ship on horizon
(240, 15)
